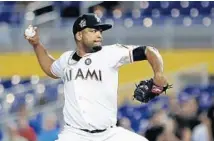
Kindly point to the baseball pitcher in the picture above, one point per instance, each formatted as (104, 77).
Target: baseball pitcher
(90, 76)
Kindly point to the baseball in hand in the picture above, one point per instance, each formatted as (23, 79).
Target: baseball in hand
(30, 32)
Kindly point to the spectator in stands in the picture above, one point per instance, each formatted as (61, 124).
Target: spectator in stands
(156, 126)
(187, 118)
(24, 128)
(13, 133)
(50, 130)
(161, 128)
(203, 130)
(168, 133)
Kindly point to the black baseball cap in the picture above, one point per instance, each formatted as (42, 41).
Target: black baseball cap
(89, 20)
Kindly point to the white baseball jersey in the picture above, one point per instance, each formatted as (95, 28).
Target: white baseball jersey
(90, 86)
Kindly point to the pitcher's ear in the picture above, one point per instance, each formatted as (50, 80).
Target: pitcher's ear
(78, 36)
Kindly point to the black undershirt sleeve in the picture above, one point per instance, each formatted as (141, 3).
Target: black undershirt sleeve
(139, 53)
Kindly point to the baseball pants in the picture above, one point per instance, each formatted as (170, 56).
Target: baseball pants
(111, 134)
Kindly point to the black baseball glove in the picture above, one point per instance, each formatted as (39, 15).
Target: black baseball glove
(146, 90)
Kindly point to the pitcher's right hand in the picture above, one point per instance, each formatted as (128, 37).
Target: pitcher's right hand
(34, 41)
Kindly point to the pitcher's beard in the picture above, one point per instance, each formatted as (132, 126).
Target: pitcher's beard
(93, 49)
(96, 48)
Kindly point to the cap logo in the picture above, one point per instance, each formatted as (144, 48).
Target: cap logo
(82, 23)
(97, 18)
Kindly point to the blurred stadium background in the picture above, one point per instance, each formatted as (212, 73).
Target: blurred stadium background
(31, 103)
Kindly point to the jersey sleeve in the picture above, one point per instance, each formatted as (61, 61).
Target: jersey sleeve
(122, 54)
(58, 65)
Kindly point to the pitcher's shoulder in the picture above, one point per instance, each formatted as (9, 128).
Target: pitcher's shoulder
(110, 47)
(115, 47)
(67, 54)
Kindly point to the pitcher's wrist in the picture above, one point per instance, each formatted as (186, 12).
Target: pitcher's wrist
(36, 45)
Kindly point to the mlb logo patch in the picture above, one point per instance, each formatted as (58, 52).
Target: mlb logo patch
(82, 23)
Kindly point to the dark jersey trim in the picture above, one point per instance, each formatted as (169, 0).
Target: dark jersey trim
(139, 53)
(76, 57)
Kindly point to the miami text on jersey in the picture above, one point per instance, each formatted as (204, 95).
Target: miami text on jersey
(82, 74)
